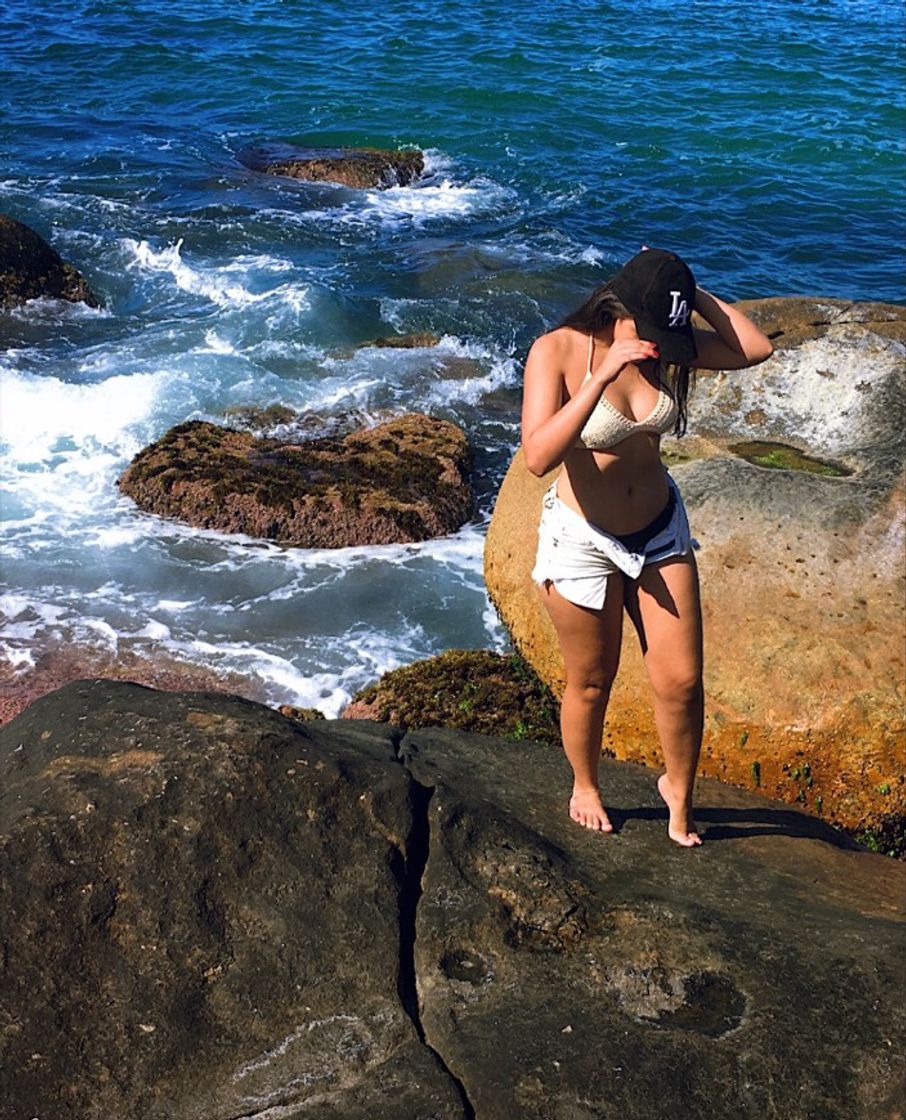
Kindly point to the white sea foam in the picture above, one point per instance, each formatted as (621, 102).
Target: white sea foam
(35, 621)
(45, 420)
(173, 606)
(437, 194)
(46, 310)
(375, 379)
(551, 248)
(222, 284)
(116, 536)
(502, 371)
(214, 344)
(445, 199)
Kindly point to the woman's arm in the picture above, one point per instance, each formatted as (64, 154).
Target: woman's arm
(550, 427)
(737, 344)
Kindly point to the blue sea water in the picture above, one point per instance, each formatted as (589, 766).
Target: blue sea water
(764, 142)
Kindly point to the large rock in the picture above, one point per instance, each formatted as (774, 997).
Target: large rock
(360, 168)
(31, 269)
(211, 912)
(802, 573)
(404, 480)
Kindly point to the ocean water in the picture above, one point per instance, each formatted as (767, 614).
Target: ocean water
(765, 143)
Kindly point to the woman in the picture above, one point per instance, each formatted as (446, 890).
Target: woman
(613, 530)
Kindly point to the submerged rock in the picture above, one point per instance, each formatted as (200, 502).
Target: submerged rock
(415, 341)
(31, 269)
(361, 168)
(802, 572)
(255, 417)
(211, 912)
(404, 480)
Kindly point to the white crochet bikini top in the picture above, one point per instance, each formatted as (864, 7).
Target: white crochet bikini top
(608, 426)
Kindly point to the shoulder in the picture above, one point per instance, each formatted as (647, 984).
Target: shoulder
(553, 348)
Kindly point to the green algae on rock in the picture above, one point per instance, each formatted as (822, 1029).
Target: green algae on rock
(781, 456)
(471, 690)
(300, 715)
(31, 269)
(404, 480)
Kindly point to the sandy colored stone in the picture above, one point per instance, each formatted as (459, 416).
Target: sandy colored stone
(802, 575)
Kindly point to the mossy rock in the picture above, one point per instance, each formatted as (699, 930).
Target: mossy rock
(401, 481)
(887, 836)
(255, 417)
(417, 340)
(360, 168)
(300, 715)
(31, 269)
(470, 690)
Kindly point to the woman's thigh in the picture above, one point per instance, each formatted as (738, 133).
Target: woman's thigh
(665, 607)
(589, 639)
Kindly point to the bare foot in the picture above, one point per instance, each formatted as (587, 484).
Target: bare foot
(586, 809)
(681, 828)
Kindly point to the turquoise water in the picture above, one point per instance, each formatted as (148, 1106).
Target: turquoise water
(765, 143)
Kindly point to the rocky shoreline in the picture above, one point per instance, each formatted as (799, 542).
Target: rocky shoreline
(212, 911)
(802, 565)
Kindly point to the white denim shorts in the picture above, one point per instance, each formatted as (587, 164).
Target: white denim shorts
(577, 557)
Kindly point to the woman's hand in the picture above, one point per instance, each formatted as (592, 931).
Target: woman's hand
(552, 417)
(623, 352)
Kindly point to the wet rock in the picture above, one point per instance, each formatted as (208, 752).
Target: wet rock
(468, 689)
(31, 269)
(213, 912)
(802, 572)
(63, 662)
(415, 341)
(256, 417)
(404, 480)
(361, 168)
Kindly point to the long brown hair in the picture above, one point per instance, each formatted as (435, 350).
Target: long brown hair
(596, 314)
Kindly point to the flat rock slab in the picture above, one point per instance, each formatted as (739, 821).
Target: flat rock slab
(404, 480)
(360, 168)
(212, 912)
(31, 269)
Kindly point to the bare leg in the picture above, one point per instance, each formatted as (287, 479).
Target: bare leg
(590, 644)
(664, 605)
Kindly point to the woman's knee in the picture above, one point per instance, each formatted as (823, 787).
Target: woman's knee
(680, 686)
(591, 689)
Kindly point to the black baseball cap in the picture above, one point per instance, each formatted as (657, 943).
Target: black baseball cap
(658, 290)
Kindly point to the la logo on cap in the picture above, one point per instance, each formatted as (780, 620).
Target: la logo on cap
(679, 312)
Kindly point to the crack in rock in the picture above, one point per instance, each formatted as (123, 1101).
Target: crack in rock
(411, 875)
